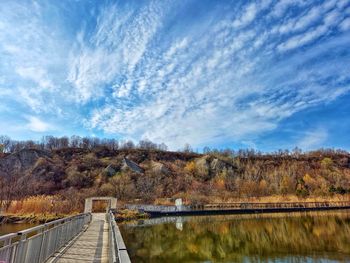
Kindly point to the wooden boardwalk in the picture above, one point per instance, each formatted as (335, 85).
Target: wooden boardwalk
(87, 237)
(90, 246)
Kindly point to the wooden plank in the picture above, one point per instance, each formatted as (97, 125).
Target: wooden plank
(90, 246)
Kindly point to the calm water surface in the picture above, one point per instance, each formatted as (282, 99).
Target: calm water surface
(302, 237)
(11, 228)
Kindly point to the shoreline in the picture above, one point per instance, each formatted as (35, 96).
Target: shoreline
(156, 211)
(129, 214)
(28, 218)
(244, 211)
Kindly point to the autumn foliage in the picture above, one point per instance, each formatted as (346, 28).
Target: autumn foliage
(58, 180)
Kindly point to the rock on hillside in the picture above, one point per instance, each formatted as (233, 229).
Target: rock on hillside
(128, 164)
(159, 168)
(211, 166)
(110, 170)
(22, 160)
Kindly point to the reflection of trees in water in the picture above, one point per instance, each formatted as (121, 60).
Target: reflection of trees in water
(232, 240)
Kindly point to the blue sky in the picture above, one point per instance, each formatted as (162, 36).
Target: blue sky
(264, 74)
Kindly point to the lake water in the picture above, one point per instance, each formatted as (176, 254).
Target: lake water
(12, 228)
(293, 237)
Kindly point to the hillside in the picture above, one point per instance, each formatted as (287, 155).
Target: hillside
(150, 175)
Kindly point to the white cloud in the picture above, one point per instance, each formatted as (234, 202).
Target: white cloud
(313, 139)
(37, 125)
(117, 46)
(302, 22)
(345, 24)
(144, 73)
(342, 3)
(330, 20)
(302, 39)
(32, 56)
(38, 75)
(211, 87)
(250, 12)
(247, 16)
(282, 6)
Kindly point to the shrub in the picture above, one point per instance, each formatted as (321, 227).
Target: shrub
(122, 185)
(190, 168)
(338, 190)
(41, 204)
(79, 179)
(327, 163)
(302, 192)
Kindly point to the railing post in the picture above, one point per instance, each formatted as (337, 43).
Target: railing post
(21, 249)
(8, 255)
(38, 243)
(42, 231)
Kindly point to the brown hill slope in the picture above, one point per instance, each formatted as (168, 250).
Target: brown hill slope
(76, 173)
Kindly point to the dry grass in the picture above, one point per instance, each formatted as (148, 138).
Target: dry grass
(164, 201)
(41, 205)
(125, 215)
(51, 207)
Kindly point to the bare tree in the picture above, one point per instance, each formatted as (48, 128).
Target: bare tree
(5, 141)
(10, 189)
(75, 141)
(128, 145)
(147, 145)
(187, 148)
(163, 147)
(63, 142)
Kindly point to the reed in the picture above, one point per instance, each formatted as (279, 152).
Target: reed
(41, 205)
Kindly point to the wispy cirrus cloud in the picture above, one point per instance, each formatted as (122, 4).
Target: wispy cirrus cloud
(37, 125)
(345, 24)
(32, 55)
(203, 73)
(318, 21)
(110, 55)
(313, 139)
(213, 86)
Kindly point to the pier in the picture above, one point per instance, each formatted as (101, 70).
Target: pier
(87, 237)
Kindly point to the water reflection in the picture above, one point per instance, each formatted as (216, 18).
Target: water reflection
(303, 237)
(14, 227)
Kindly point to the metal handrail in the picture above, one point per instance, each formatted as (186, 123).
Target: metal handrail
(117, 249)
(37, 244)
(112, 253)
(243, 205)
(238, 206)
(287, 202)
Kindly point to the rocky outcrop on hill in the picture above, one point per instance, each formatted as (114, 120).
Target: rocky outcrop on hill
(111, 170)
(22, 160)
(130, 165)
(159, 168)
(139, 173)
(211, 166)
